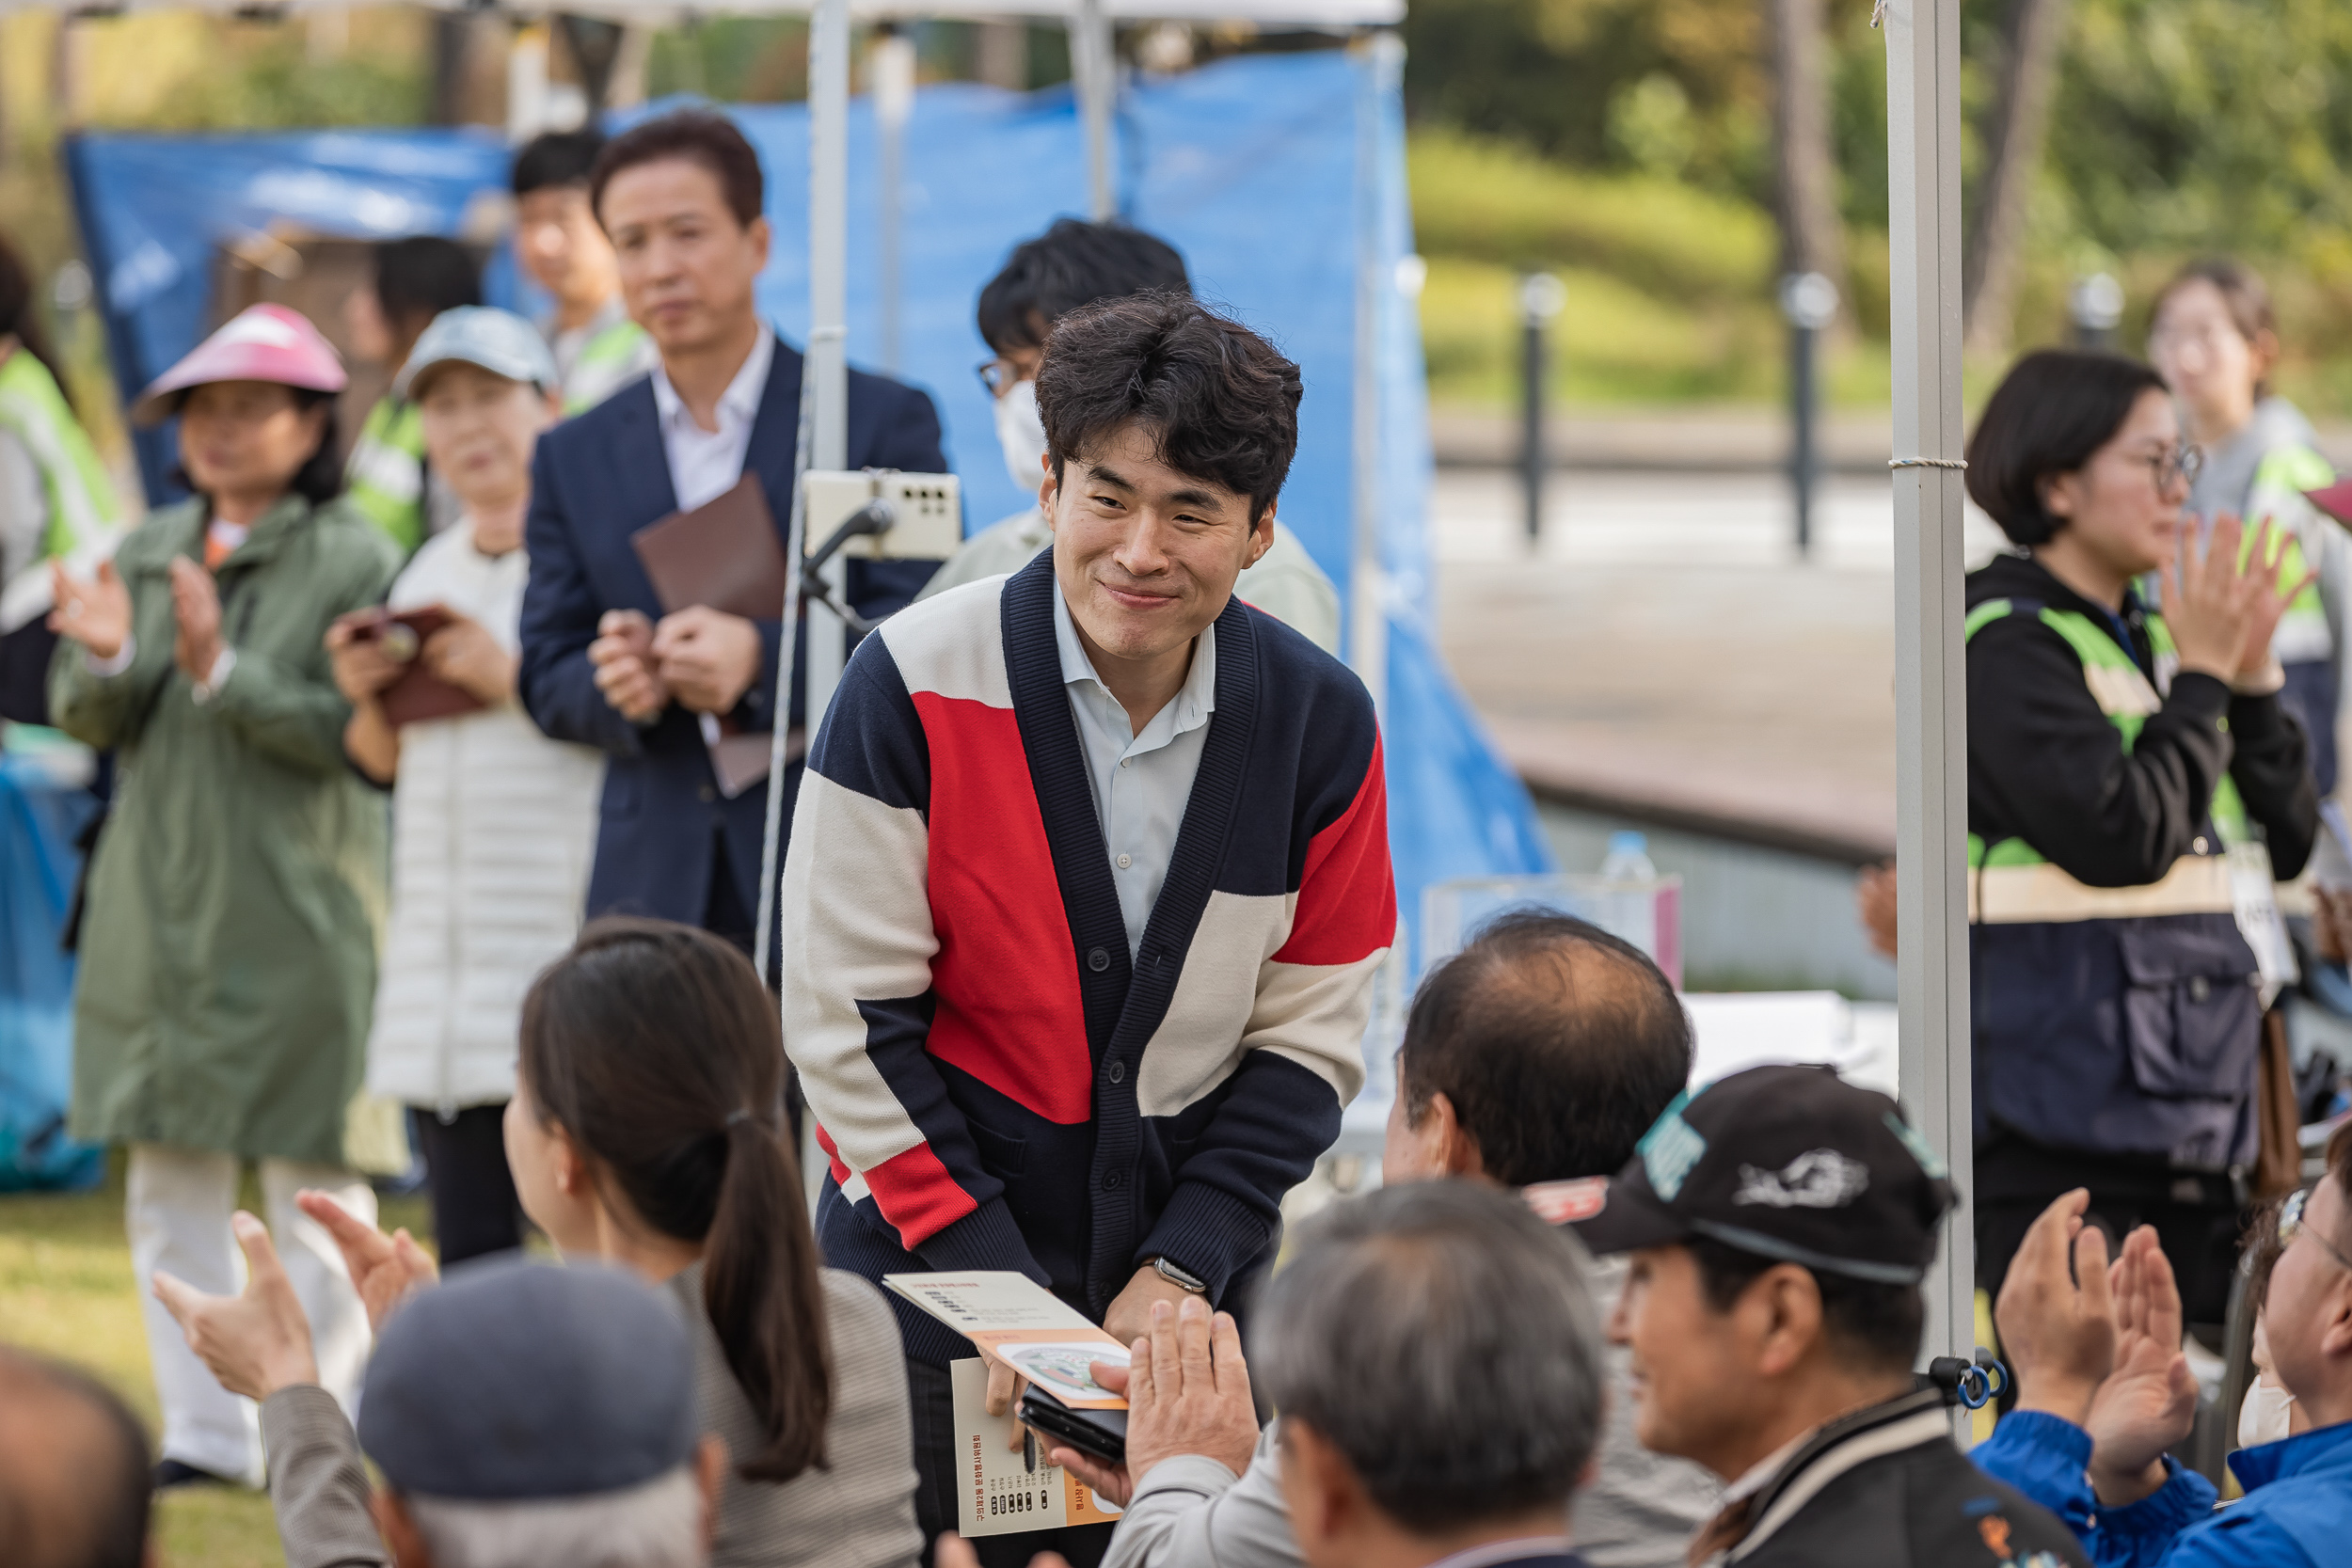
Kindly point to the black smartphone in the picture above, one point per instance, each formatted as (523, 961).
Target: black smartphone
(1099, 1434)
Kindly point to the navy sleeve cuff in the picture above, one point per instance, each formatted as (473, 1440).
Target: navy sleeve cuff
(1207, 1233)
(986, 1238)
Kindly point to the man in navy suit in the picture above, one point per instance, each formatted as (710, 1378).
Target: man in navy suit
(680, 199)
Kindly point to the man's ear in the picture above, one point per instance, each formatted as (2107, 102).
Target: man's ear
(1049, 489)
(1326, 1500)
(401, 1535)
(1786, 1304)
(710, 1474)
(1261, 538)
(1457, 1151)
(762, 237)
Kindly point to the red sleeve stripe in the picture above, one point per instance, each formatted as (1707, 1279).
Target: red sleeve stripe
(918, 1196)
(1346, 892)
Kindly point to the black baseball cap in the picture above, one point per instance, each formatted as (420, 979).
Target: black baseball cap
(516, 1380)
(1789, 1162)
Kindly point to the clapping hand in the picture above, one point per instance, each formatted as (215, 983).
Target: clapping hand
(195, 605)
(2058, 1325)
(256, 1342)
(96, 614)
(2223, 603)
(2149, 1403)
(384, 1270)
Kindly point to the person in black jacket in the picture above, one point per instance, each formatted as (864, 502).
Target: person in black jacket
(1779, 1224)
(2126, 771)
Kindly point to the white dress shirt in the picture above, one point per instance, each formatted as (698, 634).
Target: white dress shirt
(1141, 782)
(705, 463)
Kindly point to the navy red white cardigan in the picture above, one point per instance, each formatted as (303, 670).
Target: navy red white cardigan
(997, 1084)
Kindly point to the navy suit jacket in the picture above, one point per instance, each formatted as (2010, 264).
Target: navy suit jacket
(595, 481)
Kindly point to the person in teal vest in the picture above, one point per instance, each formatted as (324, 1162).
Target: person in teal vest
(415, 280)
(56, 501)
(597, 349)
(2216, 341)
(2127, 767)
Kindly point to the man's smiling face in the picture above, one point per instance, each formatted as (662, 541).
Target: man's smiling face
(1146, 556)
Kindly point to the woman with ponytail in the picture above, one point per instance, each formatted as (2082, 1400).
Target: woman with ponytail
(647, 1131)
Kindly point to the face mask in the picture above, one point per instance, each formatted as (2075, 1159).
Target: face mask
(1021, 434)
(2266, 1415)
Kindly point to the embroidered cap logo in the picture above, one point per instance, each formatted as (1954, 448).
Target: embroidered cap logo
(1822, 1178)
(1670, 1149)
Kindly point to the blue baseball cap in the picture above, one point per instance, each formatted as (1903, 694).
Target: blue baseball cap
(514, 1380)
(499, 341)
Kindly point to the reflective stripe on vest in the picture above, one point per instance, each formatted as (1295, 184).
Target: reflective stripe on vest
(2279, 480)
(73, 484)
(2010, 883)
(604, 362)
(386, 472)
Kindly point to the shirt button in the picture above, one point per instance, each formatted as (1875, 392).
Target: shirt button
(1099, 960)
(1126, 860)
(1118, 1073)
(2198, 844)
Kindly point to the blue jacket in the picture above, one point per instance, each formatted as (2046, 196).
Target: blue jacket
(2297, 1511)
(595, 481)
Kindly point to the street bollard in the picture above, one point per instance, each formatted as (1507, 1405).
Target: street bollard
(2096, 306)
(1541, 296)
(1810, 301)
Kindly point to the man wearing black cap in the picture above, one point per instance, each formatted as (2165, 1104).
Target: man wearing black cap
(1779, 1224)
(522, 1415)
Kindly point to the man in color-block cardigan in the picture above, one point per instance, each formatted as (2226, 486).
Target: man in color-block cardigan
(1089, 876)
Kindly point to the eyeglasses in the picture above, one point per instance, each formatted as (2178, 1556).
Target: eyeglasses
(997, 374)
(2174, 465)
(2291, 1226)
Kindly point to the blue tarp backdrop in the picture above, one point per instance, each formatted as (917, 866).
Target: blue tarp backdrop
(1281, 178)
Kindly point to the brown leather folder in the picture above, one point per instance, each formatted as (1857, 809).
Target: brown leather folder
(417, 695)
(723, 554)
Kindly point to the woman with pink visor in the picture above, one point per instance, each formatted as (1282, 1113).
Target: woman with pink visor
(230, 929)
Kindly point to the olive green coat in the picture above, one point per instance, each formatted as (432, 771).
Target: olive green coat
(235, 897)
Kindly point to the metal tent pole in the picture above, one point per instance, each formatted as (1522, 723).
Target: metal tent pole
(890, 64)
(1093, 75)
(1368, 620)
(1930, 733)
(828, 308)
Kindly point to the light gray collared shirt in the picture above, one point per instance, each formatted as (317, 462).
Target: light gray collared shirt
(705, 463)
(1141, 782)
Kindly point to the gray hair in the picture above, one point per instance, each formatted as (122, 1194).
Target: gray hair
(1443, 1339)
(655, 1524)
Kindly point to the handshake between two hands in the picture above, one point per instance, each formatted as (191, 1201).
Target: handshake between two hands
(704, 659)
(2099, 1344)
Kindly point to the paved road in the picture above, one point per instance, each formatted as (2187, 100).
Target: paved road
(1664, 645)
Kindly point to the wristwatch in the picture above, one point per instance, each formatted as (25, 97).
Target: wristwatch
(1184, 1279)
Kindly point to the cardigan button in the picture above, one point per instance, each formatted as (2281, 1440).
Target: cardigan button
(1099, 960)
(1118, 1073)
(1110, 1180)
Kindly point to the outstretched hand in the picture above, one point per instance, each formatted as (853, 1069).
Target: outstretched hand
(384, 1269)
(2057, 1324)
(2149, 1403)
(256, 1342)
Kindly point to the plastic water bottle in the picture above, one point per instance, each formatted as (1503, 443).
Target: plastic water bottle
(1628, 860)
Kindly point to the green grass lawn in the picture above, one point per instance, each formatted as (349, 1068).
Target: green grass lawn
(66, 1291)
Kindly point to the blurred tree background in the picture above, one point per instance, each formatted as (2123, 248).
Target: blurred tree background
(1638, 148)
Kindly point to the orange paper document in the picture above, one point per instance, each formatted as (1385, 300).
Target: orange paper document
(1008, 1486)
(1019, 1322)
